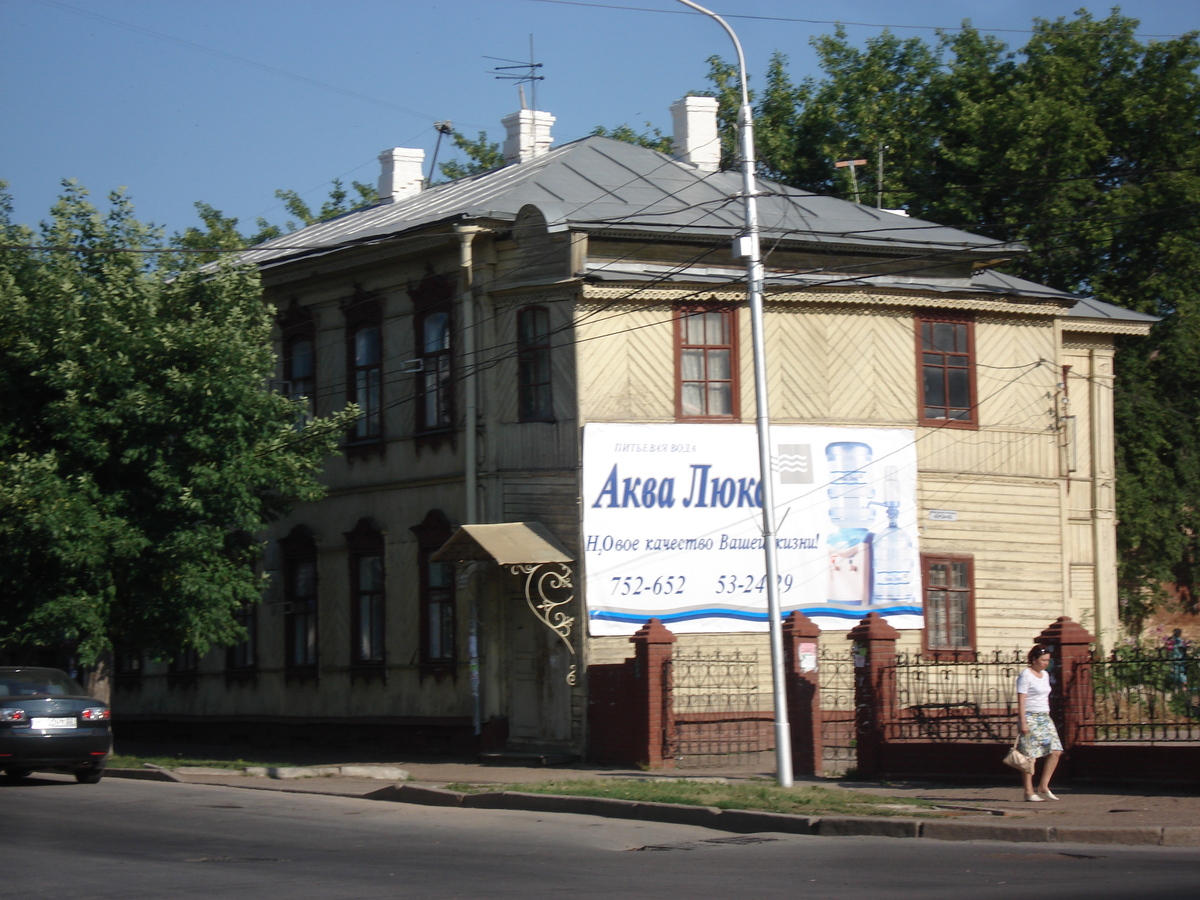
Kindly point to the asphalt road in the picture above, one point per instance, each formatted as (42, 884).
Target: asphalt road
(138, 839)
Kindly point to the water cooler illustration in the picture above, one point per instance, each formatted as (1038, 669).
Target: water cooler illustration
(891, 550)
(852, 512)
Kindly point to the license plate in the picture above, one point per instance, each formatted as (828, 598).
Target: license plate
(53, 722)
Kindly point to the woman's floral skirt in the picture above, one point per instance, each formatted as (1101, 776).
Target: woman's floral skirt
(1042, 738)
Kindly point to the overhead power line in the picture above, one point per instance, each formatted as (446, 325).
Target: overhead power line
(835, 22)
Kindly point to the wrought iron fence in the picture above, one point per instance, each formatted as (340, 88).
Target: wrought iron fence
(960, 700)
(717, 712)
(838, 737)
(1143, 694)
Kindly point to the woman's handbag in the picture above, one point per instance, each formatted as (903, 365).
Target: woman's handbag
(1019, 760)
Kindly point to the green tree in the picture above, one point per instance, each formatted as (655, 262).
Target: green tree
(651, 138)
(1084, 144)
(337, 204)
(482, 156)
(220, 234)
(139, 442)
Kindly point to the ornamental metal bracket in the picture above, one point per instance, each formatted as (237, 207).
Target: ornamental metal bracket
(543, 577)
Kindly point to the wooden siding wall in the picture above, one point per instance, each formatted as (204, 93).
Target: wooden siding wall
(850, 364)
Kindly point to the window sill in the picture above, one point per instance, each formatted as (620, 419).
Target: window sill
(439, 671)
(949, 423)
(955, 655)
(242, 677)
(362, 448)
(368, 672)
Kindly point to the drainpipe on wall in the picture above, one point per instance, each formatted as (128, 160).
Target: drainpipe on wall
(466, 263)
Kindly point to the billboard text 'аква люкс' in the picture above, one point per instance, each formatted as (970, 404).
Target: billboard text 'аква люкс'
(672, 520)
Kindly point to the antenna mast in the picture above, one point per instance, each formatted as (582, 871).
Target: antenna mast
(528, 77)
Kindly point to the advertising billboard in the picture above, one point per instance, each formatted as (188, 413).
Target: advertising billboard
(672, 521)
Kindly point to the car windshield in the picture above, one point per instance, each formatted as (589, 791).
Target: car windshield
(28, 682)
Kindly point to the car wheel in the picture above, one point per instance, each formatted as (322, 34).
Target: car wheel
(88, 776)
(17, 773)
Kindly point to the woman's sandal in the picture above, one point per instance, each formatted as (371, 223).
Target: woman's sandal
(1046, 795)
(1033, 798)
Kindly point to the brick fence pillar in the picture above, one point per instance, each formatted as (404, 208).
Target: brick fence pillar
(1071, 670)
(652, 651)
(874, 689)
(801, 637)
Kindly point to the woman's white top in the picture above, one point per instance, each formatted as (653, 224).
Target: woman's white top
(1035, 689)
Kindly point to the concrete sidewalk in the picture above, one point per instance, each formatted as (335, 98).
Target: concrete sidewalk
(997, 813)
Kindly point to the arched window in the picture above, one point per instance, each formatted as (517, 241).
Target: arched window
(299, 555)
(364, 366)
(300, 357)
(433, 305)
(534, 397)
(368, 600)
(439, 620)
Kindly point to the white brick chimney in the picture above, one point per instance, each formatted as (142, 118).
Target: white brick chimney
(696, 140)
(402, 173)
(528, 135)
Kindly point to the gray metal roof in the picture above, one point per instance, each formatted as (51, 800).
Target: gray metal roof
(982, 281)
(604, 185)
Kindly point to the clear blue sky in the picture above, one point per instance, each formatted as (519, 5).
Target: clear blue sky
(226, 101)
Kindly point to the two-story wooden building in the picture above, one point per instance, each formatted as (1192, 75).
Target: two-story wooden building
(505, 337)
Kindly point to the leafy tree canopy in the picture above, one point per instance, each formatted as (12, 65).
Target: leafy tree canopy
(482, 156)
(651, 137)
(220, 233)
(1085, 145)
(140, 446)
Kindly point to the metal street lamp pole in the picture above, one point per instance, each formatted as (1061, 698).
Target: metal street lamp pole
(747, 245)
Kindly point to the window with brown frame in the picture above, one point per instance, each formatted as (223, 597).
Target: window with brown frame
(127, 668)
(433, 306)
(706, 363)
(367, 597)
(300, 358)
(534, 399)
(364, 366)
(243, 656)
(439, 620)
(949, 605)
(183, 668)
(299, 555)
(946, 366)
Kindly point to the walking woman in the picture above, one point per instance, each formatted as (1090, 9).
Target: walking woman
(1039, 737)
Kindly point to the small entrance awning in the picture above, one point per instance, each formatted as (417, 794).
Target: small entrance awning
(508, 544)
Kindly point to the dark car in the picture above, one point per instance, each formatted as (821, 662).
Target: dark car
(47, 721)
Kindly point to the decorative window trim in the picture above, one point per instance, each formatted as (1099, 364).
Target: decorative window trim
(432, 297)
(127, 669)
(364, 382)
(931, 318)
(366, 541)
(535, 398)
(241, 659)
(438, 604)
(942, 652)
(730, 315)
(298, 548)
(298, 325)
(183, 669)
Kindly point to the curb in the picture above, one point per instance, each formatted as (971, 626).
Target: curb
(746, 821)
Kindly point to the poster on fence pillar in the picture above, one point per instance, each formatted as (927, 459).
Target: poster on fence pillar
(672, 520)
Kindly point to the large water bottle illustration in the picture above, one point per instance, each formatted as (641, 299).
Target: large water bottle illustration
(851, 511)
(891, 551)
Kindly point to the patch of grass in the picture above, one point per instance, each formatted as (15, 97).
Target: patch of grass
(121, 761)
(804, 800)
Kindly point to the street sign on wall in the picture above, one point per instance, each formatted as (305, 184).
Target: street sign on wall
(672, 520)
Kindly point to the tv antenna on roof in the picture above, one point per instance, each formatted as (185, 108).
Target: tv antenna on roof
(529, 76)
